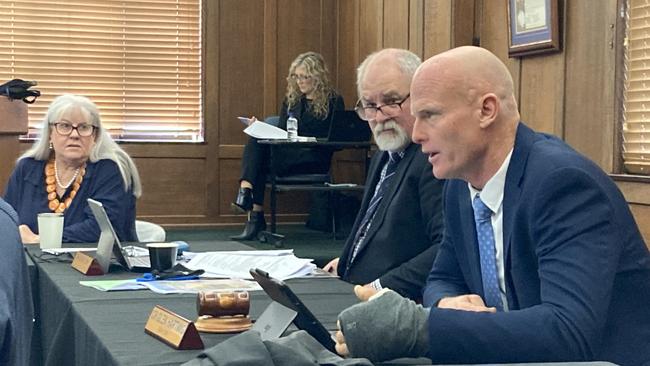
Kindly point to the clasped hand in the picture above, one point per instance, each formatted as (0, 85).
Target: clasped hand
(341, 346)
(465, 302)
(27, 235)
(370, 323)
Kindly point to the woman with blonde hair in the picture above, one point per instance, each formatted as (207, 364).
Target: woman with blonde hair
(74, 159)
(312, 100)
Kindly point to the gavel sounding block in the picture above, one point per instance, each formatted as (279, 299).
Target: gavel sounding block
(223, 312)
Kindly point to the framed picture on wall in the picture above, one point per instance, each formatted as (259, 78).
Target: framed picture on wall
(533, 27)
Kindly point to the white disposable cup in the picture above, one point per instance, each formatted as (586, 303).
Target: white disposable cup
(162, 255)
(50, 229)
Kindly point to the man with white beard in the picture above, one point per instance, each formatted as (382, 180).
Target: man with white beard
(397, 231)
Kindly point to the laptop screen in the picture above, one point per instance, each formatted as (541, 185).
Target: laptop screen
(109, 244)
(348, 127)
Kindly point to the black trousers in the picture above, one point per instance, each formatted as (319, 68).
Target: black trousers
(285, 160)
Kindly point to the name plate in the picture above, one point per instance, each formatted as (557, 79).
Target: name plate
(172, 329)
(86, 264)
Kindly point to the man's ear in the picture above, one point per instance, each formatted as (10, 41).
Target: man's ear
(489, 109)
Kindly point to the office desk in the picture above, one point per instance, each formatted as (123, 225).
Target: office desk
(83, 326)
(319, 186)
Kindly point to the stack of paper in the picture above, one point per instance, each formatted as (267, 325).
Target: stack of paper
(262, 130)
(281, 264)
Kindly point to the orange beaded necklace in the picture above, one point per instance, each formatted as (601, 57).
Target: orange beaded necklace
(52, 180)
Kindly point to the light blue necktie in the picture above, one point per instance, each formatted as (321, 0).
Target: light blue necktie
(487, 252)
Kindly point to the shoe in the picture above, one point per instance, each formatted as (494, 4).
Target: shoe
(254, 225)
(244, 201)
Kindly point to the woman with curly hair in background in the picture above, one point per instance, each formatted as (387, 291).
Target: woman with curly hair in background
(312, 100)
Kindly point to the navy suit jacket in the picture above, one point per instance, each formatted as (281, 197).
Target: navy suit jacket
(102, 182)
(406, 231)
(16, 310)
(577, 271)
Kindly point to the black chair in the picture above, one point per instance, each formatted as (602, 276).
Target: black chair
(298, 182)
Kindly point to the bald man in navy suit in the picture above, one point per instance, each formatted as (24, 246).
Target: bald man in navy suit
(566, 274)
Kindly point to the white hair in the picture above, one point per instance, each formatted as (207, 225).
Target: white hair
(407, 61)
(105, 147)
(396, 140)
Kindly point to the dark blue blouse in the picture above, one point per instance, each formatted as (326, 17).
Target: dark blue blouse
(102, 182)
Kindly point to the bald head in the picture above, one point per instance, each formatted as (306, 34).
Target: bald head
(466, 113)
(472, 72)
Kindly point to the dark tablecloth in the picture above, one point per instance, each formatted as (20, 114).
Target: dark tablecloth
(83, 326)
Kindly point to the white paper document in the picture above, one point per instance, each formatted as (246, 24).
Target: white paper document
(196, 286)
(237, 264)
(262, 130)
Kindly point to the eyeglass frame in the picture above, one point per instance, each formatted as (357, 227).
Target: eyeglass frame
(296, 77)
(73, 128)
(361, 110)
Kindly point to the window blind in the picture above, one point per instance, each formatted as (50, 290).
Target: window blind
(138, 60)
(636, 125)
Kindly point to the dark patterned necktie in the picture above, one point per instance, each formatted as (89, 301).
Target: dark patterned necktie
(487, 252)
(382, 185)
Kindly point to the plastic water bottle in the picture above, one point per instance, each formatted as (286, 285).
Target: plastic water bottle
(292, 128)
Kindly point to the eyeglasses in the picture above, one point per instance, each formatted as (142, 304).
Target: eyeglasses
(65, 129)
(389, 110)
(300, 77)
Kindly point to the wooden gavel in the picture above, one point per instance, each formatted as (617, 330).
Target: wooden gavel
(219, 304)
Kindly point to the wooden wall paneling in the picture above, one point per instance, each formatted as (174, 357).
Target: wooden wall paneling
(241, 66)
(299, 30)
(344, 163)
(494, 36)
(478, 22)
(228, 184)
(590, 79)
(13, 122)
(165, 150)
(9, 152)
(241, 80)
(464, 18)
(416, 27)
(348, 50)
(211, 94)
(302, 25)
(396, 24)
(272, 79)
(371, 19)
(349, 166)
(329, 37)
(636, 194)
(642, 216)
(437, 27)
(230, 151)
(541, 98)
(177, 188)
